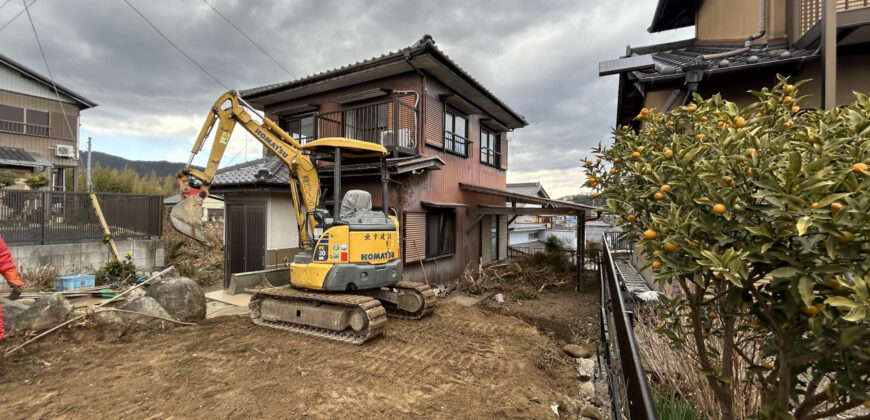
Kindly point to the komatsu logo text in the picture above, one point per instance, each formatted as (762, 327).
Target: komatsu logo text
(272, 144)
(377, 256)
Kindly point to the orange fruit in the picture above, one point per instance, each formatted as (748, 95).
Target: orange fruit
(597, 160)
(702, 119)
(670, 246)
(786, 100)
(670, 122)
(658, 196)
(694, 244)
(811, 310)
(720, 124)
(836, 207)
(644, 111)
(631, 218)
(666, 188)
(845, 238)
(615, 160)
(788, 124)
(750, 151)
(649, 234)
(832, 283)
(746, 319)
(699, 137)
(713, 315)
(719, 208)
(635, 155)
(795, 108)
(814, 206)
(656, 265)
(612, 171)
(859, 167)
(691, 107)
(740, 123)
(596, 194)
(659, 326)
(788, 89)
(671, 309)
(668, 154)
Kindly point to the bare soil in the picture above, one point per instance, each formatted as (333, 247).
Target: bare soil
(460, 362)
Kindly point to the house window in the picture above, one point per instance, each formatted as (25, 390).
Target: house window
(37, 123)
(440, 234)
(490, 147)
(455, 133)
(11, 119)
(301, 128)
(493, 238)
(533, 236)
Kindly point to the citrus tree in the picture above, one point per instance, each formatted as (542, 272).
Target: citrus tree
(761, 216)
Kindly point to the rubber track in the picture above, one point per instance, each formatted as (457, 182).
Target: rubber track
(375, 312)
(428, 301)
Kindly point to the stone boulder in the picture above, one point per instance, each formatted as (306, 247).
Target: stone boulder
(46, 312)
(135, 293)
(145, 305)
(12, 313)
(182, 297)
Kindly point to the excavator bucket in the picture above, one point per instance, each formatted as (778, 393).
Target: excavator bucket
(186, 218)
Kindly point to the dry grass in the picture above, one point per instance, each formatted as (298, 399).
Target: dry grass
(42, 278)
(202, 263)
(676, 370)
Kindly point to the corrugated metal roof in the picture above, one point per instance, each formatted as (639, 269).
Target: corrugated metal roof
(13, 156)
(426, 45)
(24, 70)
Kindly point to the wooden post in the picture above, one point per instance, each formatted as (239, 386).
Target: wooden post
(105, 226)
(829, 54)
(581, 245)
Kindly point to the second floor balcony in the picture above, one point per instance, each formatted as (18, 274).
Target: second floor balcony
(391, 123)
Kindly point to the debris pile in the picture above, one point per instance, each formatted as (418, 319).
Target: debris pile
(201, 262)
(522, 278)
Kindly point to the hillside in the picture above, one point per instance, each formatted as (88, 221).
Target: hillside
(142, 167)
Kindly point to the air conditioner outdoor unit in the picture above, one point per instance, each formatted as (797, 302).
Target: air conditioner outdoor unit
(62, 150)
(388, 138)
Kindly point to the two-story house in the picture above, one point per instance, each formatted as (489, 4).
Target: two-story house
(741, 45)
(39, 126)
(447, 135)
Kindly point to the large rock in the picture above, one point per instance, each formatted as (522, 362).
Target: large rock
(135, 293)
(586, 369)
(590, 412)
(182, 297)
(12, 313)
(575, 350)
(145, 305)
(46, 312)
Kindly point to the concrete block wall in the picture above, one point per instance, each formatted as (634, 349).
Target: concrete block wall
(86, 258)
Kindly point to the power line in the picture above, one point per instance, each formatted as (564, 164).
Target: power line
(4, 4)
(175, 46)
(50, 76)
(248, 38)
(17, 14)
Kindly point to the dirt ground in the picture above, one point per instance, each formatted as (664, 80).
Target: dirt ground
(461, 362)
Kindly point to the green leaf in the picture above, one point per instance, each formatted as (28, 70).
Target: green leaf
(832, 198)
(761, 230)
(856, 314)
(805, 287)
(802, 224)
(784, 272)
(841, 302)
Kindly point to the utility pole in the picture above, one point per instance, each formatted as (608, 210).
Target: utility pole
(829, 54)
(90, 187)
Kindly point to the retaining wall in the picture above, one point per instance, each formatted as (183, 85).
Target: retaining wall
(86, 258)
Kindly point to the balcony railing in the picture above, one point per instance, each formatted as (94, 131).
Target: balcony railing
(807, 13)
(392, 124)
(22, 128)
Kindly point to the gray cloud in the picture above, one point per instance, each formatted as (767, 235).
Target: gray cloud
(539, 57)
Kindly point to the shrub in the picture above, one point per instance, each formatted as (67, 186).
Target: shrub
(6, 179)
(761, 215)
(37, 181)
(116, 271)
(41, 278)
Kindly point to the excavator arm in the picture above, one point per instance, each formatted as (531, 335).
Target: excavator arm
(228, 111)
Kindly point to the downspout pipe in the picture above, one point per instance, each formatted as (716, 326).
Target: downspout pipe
(407, 54)
(762, 29)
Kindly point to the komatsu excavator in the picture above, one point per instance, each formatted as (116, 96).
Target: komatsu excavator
(347, 277)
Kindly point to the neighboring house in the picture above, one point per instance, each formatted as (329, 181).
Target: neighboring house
(447, 137)
(534, 189)
(741, 45)
(212, 206)
(37, 133)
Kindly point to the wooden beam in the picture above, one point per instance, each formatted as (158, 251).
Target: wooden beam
(477, 218)
(520, 211)
(106, 232)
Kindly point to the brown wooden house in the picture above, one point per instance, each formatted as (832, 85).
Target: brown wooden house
(741, 45)
(447, 135)
(39, 127)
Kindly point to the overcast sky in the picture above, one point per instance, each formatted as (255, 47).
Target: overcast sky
(539, 57)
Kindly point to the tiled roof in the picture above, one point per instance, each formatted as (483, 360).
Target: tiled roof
(525, 188)
(671, 59)
(266, 171)
(424, 44)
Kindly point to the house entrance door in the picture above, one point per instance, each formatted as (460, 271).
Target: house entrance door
(245, 248)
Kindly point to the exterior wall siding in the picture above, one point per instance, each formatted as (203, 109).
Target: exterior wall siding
(58, 131)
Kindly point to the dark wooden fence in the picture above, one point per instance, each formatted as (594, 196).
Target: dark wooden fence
(51, 217)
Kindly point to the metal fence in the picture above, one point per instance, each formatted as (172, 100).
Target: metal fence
(630, 394)
(392, 124)
(617, 243)
(48, 217)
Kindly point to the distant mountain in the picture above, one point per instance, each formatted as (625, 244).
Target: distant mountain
(142, 167)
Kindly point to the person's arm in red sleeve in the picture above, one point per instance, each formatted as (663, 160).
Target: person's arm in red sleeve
(9, 271)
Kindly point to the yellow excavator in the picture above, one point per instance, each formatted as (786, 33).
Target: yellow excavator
(346, 279)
